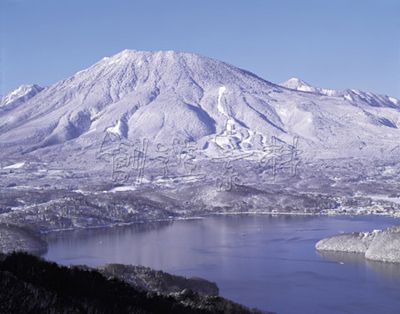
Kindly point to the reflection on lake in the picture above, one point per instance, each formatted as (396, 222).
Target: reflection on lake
(390, 271)
(261, 261)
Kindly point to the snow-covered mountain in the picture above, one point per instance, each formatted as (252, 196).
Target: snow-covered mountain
(299, 85)
(19, 96)
(165, 95)
(353, 95)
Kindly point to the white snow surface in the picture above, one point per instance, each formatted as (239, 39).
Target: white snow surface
(220, 107)
(17, 165)
(166, 94)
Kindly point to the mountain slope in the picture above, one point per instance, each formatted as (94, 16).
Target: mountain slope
(165, 95)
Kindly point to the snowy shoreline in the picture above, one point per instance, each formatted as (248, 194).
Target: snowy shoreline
(377, 245)
(35, 242)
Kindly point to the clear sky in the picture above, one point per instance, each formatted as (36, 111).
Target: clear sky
(333, 44)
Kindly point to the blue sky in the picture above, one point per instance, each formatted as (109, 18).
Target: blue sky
(333, 44)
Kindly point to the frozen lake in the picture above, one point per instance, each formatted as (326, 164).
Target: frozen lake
(262, 261)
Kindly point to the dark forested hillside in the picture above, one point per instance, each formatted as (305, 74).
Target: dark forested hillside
(31, 285)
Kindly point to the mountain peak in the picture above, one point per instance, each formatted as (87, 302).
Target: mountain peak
(298, 84)
(295, 80)
(21, 93)
(131, 68)
(132, 54)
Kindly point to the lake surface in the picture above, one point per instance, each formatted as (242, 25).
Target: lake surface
(262, 261)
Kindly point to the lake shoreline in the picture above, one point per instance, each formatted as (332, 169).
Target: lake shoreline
(40, 235)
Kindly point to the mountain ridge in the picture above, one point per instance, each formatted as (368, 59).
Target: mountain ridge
(372, 99)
